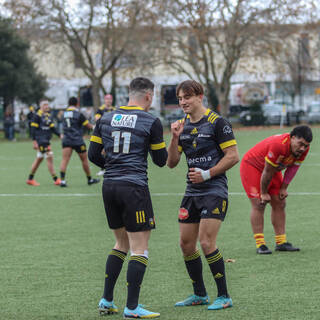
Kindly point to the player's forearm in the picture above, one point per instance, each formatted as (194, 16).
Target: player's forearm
(227, 162)
(33, 133)
(55, 131)
(289, 174)
(94, 154)
(159, 157)
(173, 153)
(266, 178)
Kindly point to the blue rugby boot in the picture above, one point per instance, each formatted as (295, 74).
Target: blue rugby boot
(105, 307)
(221, 302)
(139, 313)
(193, 300)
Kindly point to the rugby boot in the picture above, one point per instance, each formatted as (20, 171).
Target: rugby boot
(139, 313)
(193, 300)
(287, 246)
(57, 182)
(92, 181)
(221, 302)
(63, 184)
(105, 307)
(263, 249)
(33, 183)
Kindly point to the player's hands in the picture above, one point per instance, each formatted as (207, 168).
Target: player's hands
(197, 175)
(35, 145)
(283, 193)
(265, 198)
(61, 136)
(177, 128)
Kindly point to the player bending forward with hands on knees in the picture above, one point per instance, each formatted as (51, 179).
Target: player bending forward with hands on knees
(210, 147)
(261, 177)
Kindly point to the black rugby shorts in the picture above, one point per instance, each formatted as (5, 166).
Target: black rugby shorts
(193, 209)
(128, 205)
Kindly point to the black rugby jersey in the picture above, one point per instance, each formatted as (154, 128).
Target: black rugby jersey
(127, 135)
(203, 142)
(42, 127)
(73, 121)
(103, 109)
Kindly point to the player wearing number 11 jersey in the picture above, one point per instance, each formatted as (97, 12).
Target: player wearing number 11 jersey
(127, 135)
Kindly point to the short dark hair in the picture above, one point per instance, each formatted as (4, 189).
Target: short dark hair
(190, 87)
(302, 132)
(141, 84)
(73, 101)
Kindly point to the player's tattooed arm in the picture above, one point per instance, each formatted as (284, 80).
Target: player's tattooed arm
(266, 178)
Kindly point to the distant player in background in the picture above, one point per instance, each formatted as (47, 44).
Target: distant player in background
(261, 177)
(210, 147)
(106, 107)
(73, 123)
(30, 116)
(127, 135)
(42, 127)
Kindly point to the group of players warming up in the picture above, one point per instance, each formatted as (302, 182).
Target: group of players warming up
(42, 127)
(120, 144)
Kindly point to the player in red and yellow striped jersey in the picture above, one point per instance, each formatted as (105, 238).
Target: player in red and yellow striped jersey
(261, 177)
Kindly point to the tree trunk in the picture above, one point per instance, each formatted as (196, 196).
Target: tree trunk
(224, 103)
(213, 100)
(114, 85)
(95, 93)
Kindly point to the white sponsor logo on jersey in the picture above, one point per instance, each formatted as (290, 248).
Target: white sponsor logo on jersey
(227, 130)
(124, 120)
(198, 160)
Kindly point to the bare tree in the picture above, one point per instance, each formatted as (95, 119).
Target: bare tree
(103, 35)
(209, 37)
(294, 58)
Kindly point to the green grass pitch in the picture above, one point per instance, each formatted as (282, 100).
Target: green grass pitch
(54, 243)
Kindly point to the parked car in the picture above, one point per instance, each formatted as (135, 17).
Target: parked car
(313, 113)
(273, 114)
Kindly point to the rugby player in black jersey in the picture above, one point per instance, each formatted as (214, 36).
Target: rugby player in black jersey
(41, 129)
(127, 135)
(73, 122)
(208, 142)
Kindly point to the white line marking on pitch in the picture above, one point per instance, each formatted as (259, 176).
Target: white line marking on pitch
(153, 194)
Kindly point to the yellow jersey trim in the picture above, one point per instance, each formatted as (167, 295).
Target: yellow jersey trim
(71, 108)
(180, 149)
(270, 162)
(227, 144)
(51, 125)
(157, 146)
(34, 124)
(98, 116)
(131, 108)
(96, 139)
(207, 112)
(85, 123)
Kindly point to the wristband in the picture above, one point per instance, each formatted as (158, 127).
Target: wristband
(205, 174)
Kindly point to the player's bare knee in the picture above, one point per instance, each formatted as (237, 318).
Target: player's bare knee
(278, 204)
(258, 206)
(187, 246)
(207, 245)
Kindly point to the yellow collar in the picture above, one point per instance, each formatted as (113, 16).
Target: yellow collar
(131, 108)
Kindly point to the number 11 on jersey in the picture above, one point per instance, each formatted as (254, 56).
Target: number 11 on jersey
(126, 136)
